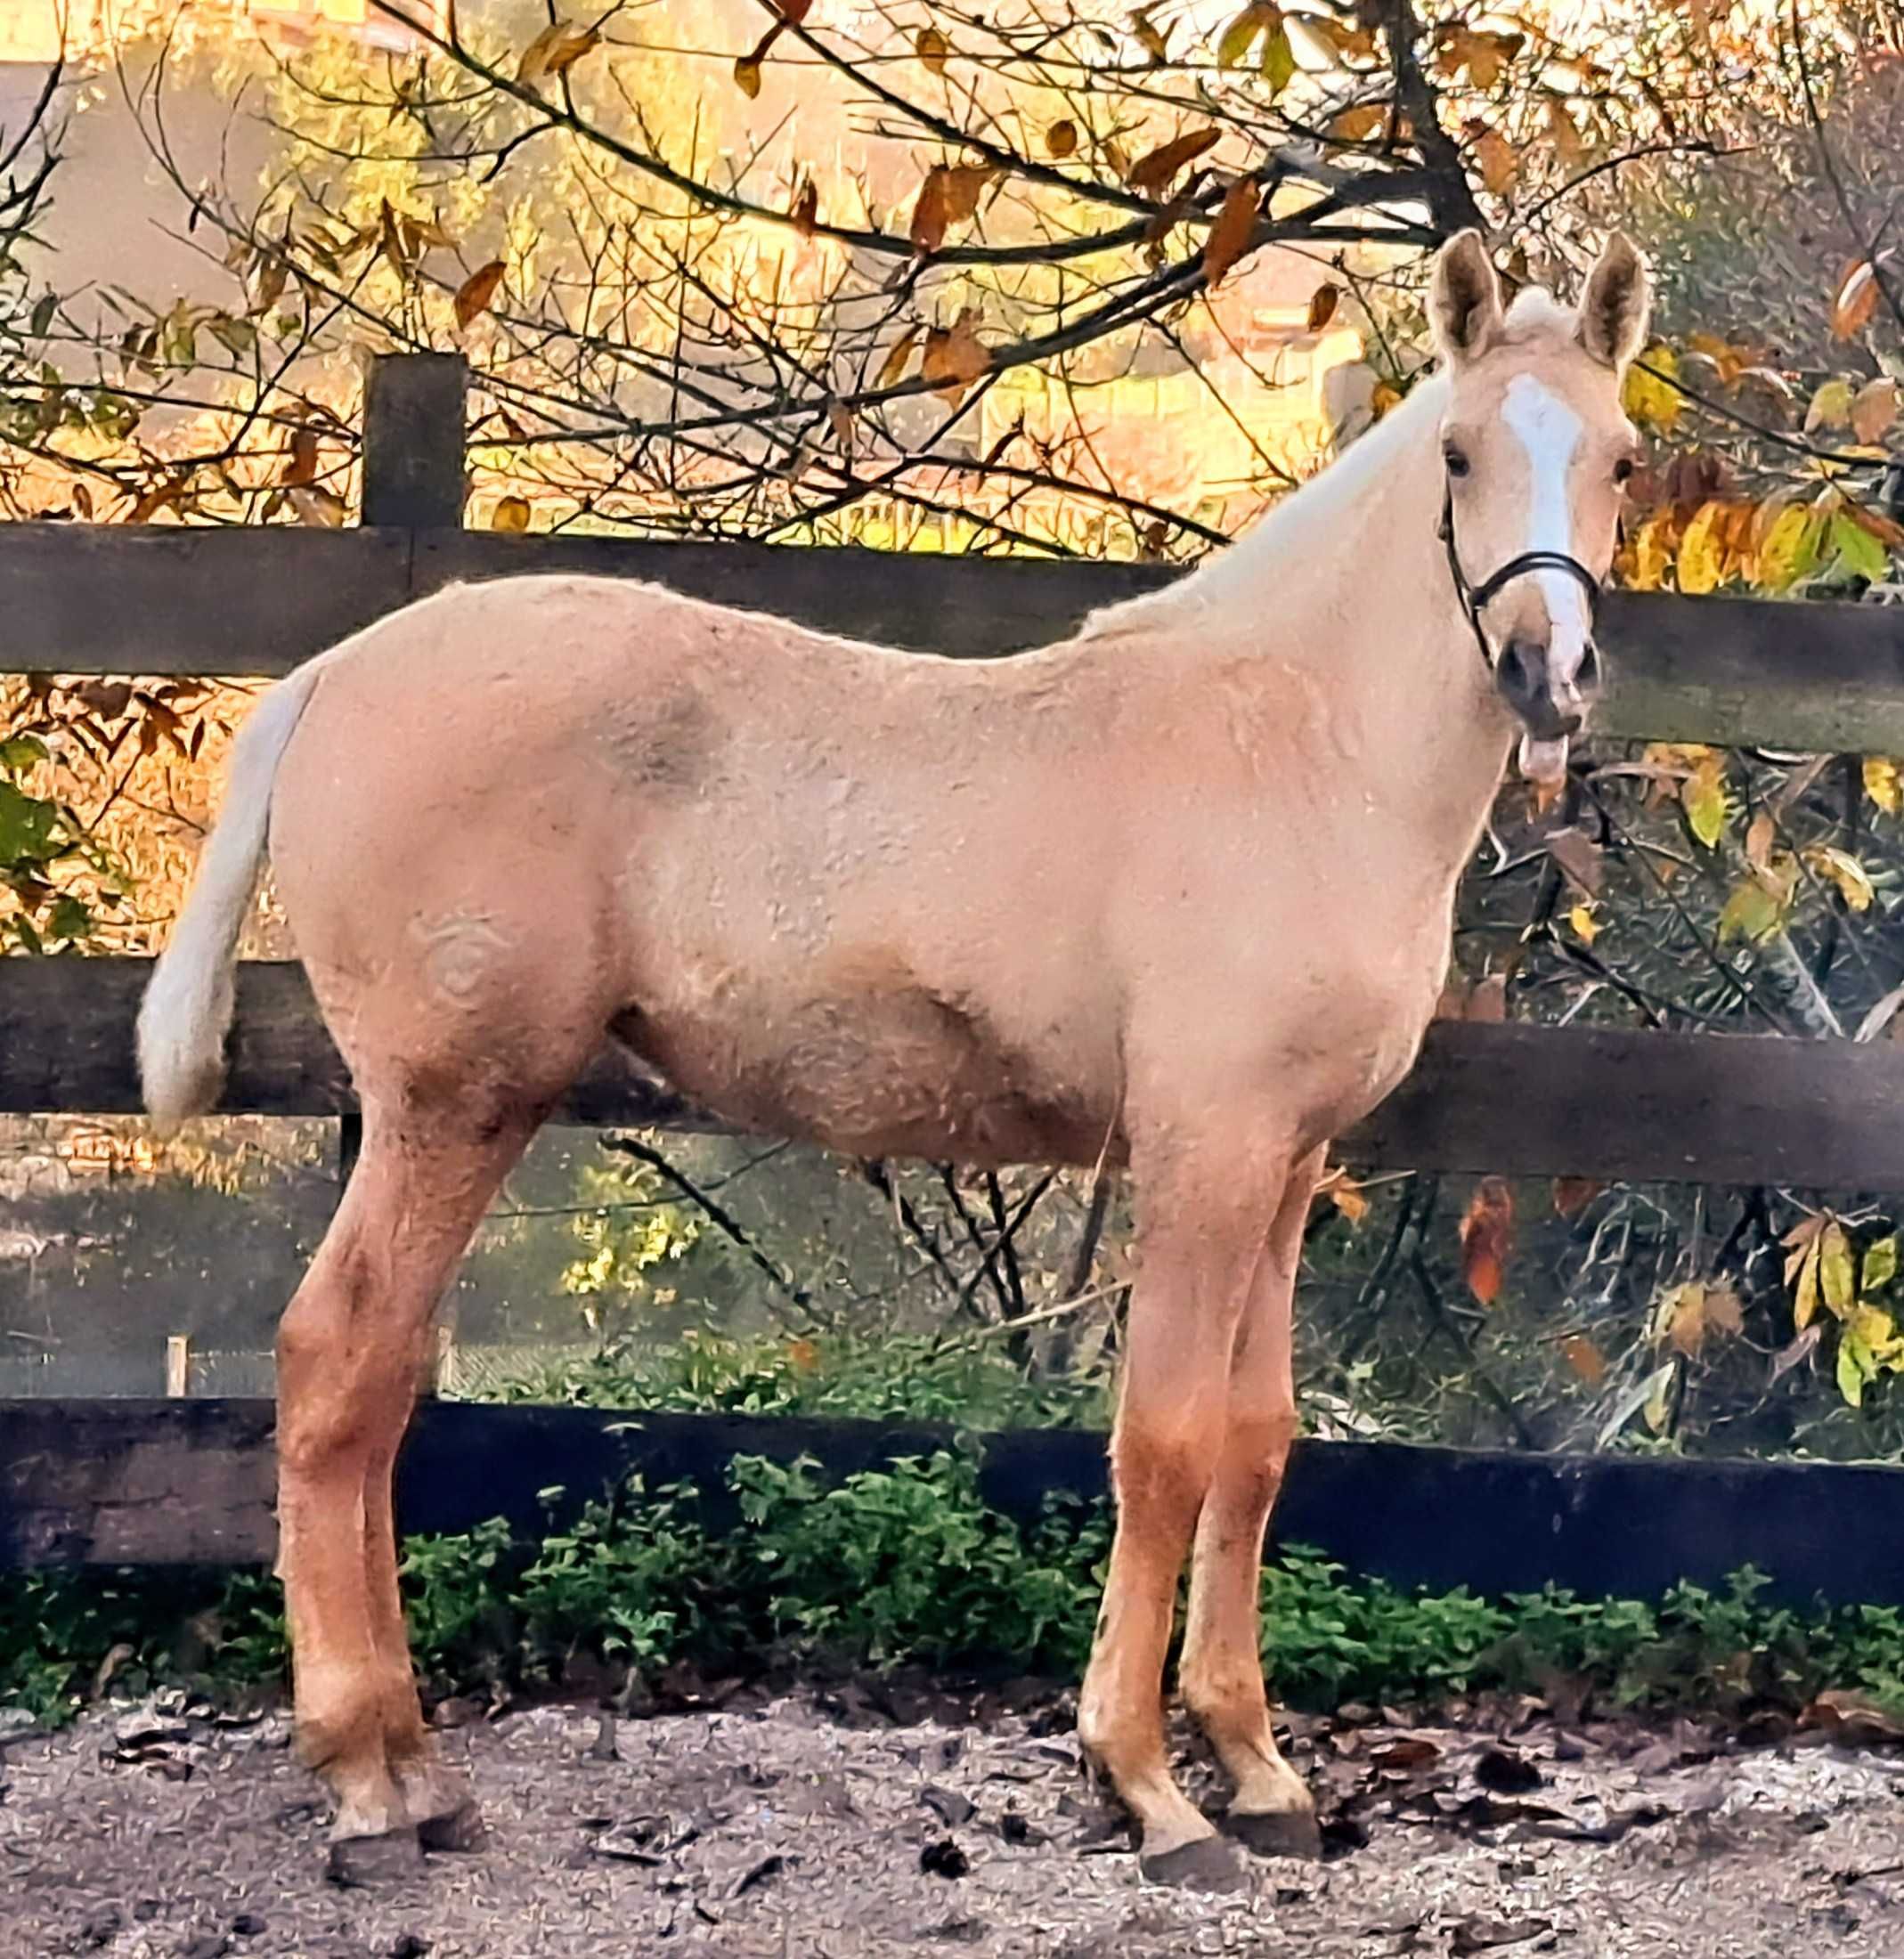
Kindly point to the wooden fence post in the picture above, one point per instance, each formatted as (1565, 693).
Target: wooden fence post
(414, 475)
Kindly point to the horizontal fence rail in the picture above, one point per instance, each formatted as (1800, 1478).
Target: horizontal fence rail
(163, 599)
(190, 1482)
(1611, 1102)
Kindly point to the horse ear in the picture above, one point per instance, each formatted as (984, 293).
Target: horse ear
(1619, 304)
(1465, 300)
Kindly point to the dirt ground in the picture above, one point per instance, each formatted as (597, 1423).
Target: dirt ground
(819, 1825)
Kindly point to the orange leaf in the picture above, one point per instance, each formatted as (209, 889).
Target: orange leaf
(1060, 140)
(1584, 1358)
(555, 51)
(806, 209)
(950, 196)
(510, 516)
(955, 357)
(1572, 1195)
(894, 365)
(1153, 172)
(1358, 124)
(477, 293)
(1487, 1239)
(1494, 158)
(1855, 300)
(1231, 235)
(932, 47)
(1322, 304)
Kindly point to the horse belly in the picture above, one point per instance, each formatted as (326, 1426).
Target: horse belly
(904, 1073)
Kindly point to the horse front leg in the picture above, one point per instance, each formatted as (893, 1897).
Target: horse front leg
(1221, 1671)
(1202, 1231)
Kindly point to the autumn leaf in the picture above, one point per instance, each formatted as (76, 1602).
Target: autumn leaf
(1150, 35)
(1584, 1358)
(1856, 550)
(301, 467)
(1236, 40)
(1841, 868)
(555, 51)
(510, 516)
(1761, 833)
(1837, 1278)
(1831, 407)
(1060, 140)
(477, 293)
(1790, 550)
(1483, 54)
(1752, 912)
(1688, 1312)
(950, 196)
(954, 357)
(932, 47)
(1880, 1264)
(1647, 394)
(1856, 298)
(1703, 797)
(747, 74)
(1874, 408)
(1230, 235)
(1569, 145)
(1153, 172)
(1572, 1195)
(1322, 304)
(1586, 927)
(1277, 64)
(1651, 553)
(322, 509)
(893, 367)
(1345, 1194)
(806, 209)
(1359, 123)
(1701, 565)
(1487, 1235)
(1494, 159)
(1882, 783)
(840, 419)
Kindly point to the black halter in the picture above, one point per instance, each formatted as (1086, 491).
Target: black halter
(1476, 598)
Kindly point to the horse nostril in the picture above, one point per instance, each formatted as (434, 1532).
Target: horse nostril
(1517, 674)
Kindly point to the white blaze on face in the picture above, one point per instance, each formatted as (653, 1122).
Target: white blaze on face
(1550, 431)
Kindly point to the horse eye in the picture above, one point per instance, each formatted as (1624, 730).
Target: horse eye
(1457, 463)
(1623, 470)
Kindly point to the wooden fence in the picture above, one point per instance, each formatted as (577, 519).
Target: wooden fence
(1520, 1098)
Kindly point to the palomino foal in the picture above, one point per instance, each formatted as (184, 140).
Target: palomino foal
(1183, 881)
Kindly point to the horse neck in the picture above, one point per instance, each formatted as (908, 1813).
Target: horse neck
(1348, 581)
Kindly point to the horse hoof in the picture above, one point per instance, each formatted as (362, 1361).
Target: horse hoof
(460, 1828)
(1276, 1833)
(361, 1862)
(1205, 1864)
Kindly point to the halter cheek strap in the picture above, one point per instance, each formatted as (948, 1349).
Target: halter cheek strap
(1476, 598)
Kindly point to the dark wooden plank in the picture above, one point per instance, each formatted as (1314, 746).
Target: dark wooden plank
(178, 1483)
(163, 599)
(1523, 1100)
(414, 408)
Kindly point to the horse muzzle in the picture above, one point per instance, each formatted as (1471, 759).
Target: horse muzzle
(1550, 709)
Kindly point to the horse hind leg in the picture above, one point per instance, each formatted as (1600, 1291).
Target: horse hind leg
(350, 1350)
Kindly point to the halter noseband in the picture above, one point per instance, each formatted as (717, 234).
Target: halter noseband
(1476, 598)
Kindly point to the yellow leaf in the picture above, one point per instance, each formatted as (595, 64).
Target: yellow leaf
(555, 51)
(1854, 301)
(1805, 1295)
(1322, 304)
(1790, 550)
(932, 47)
(1874, 408)
(1838, 1280)
(1586, 927)
(747, 74)
(1882, 783)
(1841, 868)
(1752, 912)
(1652, 553)
(1153, 172)
(1231, 235)
(477, 292)
(1060, 140)
(1233, 45)
(1701, 567)
(1703, 797)
(1831, 407)
(1647, 394)
(510, 516)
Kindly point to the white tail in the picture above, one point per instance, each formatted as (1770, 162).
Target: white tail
(187, 1009)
